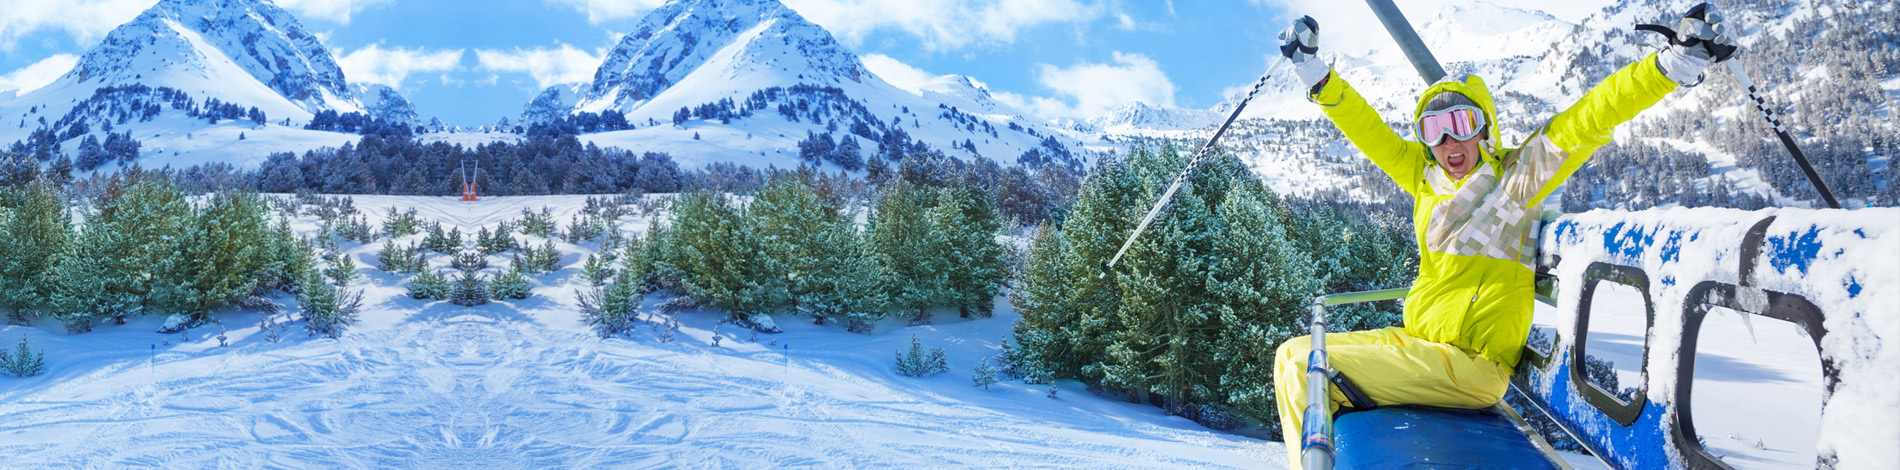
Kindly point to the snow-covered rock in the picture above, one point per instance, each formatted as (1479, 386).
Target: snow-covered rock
(177, 322)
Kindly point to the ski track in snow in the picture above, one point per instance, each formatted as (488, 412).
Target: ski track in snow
(525, 385)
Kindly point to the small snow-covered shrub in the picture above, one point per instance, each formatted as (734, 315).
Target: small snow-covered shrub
(342, 270)
(917, 363)
(611, 311)
(469, 261)
(327, 310)
(596, 270)
(539, 260)
(429, 285)
(1215, 418)
(537, 224)
(22, 361)
(470, 290)
(510, 285)
(984, 375)
(400, 259)
(400, 224)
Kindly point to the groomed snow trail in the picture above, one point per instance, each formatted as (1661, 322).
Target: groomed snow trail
(525, 385)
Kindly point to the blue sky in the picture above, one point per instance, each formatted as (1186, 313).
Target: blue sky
(471, 62)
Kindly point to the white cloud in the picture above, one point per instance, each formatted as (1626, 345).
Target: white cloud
(337, 11)
(1088, 89)
(599, 11)
(41, 73)
(89, 20)
(85, 20)
(549, 67)
(1351, 26)
(944, 24)
(374, 64)
(940, 24)
(897, 73)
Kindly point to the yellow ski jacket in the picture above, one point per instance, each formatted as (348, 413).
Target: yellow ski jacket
(1475, 281)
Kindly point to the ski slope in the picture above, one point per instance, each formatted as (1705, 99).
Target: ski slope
(525, 385)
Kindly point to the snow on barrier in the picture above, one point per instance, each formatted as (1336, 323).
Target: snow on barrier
(1802, 305)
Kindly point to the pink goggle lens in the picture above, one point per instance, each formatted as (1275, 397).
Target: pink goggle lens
(1460, 124)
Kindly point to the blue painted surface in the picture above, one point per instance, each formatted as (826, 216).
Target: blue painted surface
(1794, 250)
(1406, 437)
(1641, 445)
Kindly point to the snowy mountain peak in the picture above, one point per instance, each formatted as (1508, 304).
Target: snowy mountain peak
(731, 39)
(1140, 115)
(1480, 30)
(964, 93)
(208, 47)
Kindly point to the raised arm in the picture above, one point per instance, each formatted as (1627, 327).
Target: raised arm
(1402, 160)
(1578, 131)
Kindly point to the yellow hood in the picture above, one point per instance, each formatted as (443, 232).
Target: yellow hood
(1472, 87)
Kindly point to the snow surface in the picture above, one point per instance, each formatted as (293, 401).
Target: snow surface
(524, 384)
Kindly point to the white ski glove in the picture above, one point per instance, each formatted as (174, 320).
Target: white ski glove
(1698, 41)
(1299, 44)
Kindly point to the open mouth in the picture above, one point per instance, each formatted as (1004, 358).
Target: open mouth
(1455, 161)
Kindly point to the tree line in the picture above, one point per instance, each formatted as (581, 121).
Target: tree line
(145, 247)
(1190, 318)
(792, 248)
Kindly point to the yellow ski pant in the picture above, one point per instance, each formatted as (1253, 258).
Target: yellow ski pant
(1393, 368)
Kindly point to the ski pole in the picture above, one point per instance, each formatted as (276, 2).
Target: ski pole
(1200, 156)
(1725, 53)
(1316, 427)
(1735, 68)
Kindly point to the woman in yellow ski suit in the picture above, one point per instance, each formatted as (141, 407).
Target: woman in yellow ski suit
(1476, 205)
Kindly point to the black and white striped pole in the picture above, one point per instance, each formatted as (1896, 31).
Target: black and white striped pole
(1200, 156)
(1735, 68)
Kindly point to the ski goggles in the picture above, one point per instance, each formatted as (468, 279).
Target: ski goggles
(1460, 122)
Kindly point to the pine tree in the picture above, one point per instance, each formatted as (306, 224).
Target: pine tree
(34, 230)
(342, 270)
(397, 225)
(1264, 284)
(469, 290)
(22, 361)
(510, 285)
(400, 259)
(110, 269)
(611, 311)
(429, 285)
(327, 309)
(438, 241)
(1044, 303)
(1106, 210)
(899, 233)
(917, 363)
(967, 260)
(220, 258)
(984, 375)
(469, 261)
(596, 270)
(719, 256)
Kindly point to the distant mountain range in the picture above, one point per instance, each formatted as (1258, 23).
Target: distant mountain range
(751, 82)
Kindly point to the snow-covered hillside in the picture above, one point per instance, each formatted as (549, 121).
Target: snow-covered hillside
(187, 68)
(761, 72)
(525, 384)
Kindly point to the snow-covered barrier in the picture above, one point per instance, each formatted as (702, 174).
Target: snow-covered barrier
(1803, 302)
